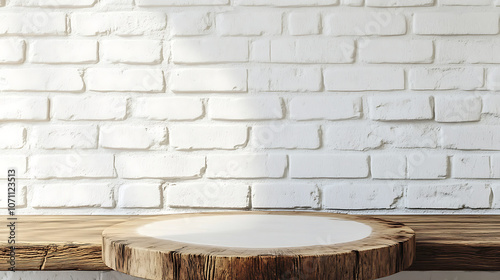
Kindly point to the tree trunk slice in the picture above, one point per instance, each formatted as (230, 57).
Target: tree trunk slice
(209, 246)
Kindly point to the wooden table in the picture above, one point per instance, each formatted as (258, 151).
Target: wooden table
(462, 242)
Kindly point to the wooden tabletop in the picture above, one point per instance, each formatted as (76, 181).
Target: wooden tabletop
(464, 242)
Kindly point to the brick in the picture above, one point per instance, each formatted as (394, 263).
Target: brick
(64, 136)
(53, 4)
(245, 108)
(363, 79)
(285, 79)
(17, 162)
(465, 2)
(442, 23)
(260, 50)
(191, 23)
(72, 165)
(140, 195)
(162, 165)
(491, 104)
(457, 108)
(72, 195)
(208, 195)
(209, 80)
(131, 136)
(13, 136)
(388, 166)
(315, 50)
(360, 137)
(493, 79)
(131, 51)
(404, 107)
(17, 108)
(249, 23)
(446, 78)
(20, 197)
(496, 194)
(246, 166)
(423, 165)
(286, 136)
(213, 50)
(12, 51)
(88, 107)
(356, 196)
(455, 196)
(410, 136)
(118, 23)
(63, 51)
(33, 23)
(193, 137)
(471, 167)
(396, 51)
(328, 166)
(168, 108)
(495, 166)
(160, 3)
(117, 79)
(41, 79)
(468, 51)
(288, 3)
(304, 23)
(364, 23)
(399, 3)
(322, 107)
(470, 137)
(285, 196)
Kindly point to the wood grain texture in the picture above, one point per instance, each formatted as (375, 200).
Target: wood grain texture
(389, 249)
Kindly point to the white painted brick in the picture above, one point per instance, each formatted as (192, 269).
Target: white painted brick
(468, 51)
(315, 50)
(41, 79)
(448, 196)
(159, 3)
(12, 51)
(131, 136)
(285, 195)
(410, 136)
(328, 166)
(117, 3)
(193, 137)
(355, 196)
(20, 197)
(304, 23)
(64, 136)
(446, 78)
(398, 3)
(465, 2)
(496, 195)
(424, 165)
(493, 78)
(24, 108)
(400, 107)
(491, 104)
(286, 136)
(364, 23)
(161, 165)
(209, 80)
(358, 137)
(249, 23)
(471, 166)
(260, 50)
(285, 79)
(213, 50)
(33, 23)
(118, 79)
(131, 51)
(140, 195)
(396, 51)
(13, 136)
(457, 108)
(388, 166)
(190, 23)
(287, 3)
(63, 51)
(72, 195)
(17, 162)
(168, 108)
(325, 107)
(72, 165)
(208, 195)
(362, 79)
(88, 107)
(119, 23)
(52, 4)
(245, 108)
(470, 137)
(246, 166)
(452, 23)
